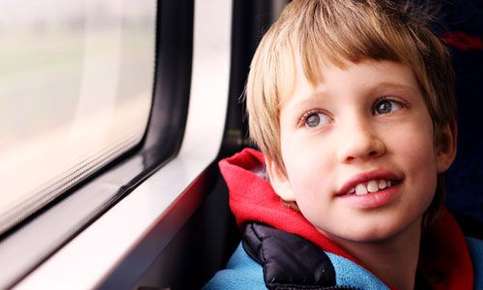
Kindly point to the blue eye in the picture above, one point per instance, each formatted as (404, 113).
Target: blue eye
(386, 106)
(315, 119)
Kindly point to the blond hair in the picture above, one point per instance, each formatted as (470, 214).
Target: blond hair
(315, 32)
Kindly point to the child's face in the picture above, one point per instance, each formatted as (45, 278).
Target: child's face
(362, 128)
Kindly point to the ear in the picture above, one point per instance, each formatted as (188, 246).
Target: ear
(279, 181)
(446, 147)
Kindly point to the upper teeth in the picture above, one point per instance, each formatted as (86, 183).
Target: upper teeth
(371, 186)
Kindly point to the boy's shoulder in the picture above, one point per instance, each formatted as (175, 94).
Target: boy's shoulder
(284, 259)
(241, 272)
(475, 247)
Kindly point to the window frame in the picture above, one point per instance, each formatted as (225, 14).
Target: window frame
(111, 243)
(26, 247)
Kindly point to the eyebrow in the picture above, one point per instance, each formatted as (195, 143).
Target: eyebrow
(391, 85)
(315, 96)
(294, 109)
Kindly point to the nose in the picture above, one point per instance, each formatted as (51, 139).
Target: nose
(360, 142)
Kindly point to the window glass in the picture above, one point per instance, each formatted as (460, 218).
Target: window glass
(76, 80)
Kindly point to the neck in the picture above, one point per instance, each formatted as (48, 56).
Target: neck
(394, 260)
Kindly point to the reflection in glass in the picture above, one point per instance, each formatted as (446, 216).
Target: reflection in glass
(76, 80)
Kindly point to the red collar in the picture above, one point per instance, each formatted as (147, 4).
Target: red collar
(252, 199)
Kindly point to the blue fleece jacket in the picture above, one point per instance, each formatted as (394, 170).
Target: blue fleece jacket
(242, 272)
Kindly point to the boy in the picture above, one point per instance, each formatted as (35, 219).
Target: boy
(351, 103)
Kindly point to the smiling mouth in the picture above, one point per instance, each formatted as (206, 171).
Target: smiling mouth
(374, 181)
(372, 186)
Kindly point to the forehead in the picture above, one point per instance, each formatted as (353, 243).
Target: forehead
(349, 79)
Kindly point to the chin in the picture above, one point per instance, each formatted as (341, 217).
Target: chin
(379, 233)
(369, 237)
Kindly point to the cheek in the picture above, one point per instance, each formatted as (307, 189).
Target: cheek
(413, 149)
(310, 174)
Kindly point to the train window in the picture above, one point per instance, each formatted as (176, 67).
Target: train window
(94, 102)
(125, 214)
(75, 93)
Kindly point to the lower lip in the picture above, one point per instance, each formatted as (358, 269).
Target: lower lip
(372, 199)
